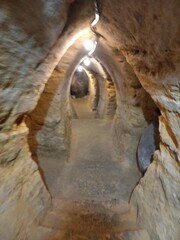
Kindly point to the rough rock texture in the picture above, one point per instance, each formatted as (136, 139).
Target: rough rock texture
(28, 32)
(26, 46)
(101, 108)
(148, 143)
(157, 198)
(112, 105)
(135, 235)
(103, 99)
(80, 85)
(48, 122)
(24, 200)
(148, 36)
(130, 119)
(93, 91)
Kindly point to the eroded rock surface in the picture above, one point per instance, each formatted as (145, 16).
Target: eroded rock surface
(141, 52)
(28, 32)
(49, 121)
(24, 199)
(149, 142)
(153, 54)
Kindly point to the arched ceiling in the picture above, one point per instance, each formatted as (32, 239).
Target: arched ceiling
(33, 41)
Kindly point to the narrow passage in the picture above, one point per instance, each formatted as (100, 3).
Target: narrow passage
(91, 195)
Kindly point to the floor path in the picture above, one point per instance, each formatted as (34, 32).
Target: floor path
(91, 194)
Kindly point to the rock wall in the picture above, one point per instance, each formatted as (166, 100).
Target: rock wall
(157, 195)
(49, 122)
(112, 105)
(105, 100)
(28, 32)
(106, 105)
(23, 49)
(129, 120)
(24, 199)
(103, 97)
(93, 91)
(148, 36)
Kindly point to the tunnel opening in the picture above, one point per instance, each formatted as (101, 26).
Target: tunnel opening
(79, 85)
(96, 86)
(82, 94)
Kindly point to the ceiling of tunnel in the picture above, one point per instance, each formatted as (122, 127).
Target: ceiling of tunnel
(96, 67)
(125, 29)
(125, 32)
(145, 32)
(142, 39)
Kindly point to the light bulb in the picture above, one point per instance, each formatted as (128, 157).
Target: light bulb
(87, 62)
(80, 68)
(88, 44)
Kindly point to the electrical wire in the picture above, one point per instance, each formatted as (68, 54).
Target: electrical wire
(97, 16)
(93, 49)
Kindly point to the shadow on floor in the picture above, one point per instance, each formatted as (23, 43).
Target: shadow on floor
(93, 221)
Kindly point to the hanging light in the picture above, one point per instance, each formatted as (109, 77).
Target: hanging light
(88, 44)
(93, 49)
(87, 61)
(79, 68)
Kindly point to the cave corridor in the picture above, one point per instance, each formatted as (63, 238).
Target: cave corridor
(89, 120)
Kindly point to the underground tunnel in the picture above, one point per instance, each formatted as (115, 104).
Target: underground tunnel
(89, 120)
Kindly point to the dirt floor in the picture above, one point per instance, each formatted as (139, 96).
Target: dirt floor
(91, 190)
